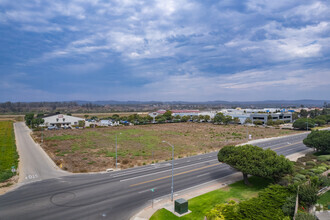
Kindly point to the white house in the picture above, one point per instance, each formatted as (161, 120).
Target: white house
(60, 120)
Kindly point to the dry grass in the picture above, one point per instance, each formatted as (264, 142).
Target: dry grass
(94, 149)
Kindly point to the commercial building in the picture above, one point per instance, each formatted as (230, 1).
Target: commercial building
(61, 120)
(264, 117)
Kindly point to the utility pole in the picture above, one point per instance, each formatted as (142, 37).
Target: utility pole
(116, 151)
(172, 187)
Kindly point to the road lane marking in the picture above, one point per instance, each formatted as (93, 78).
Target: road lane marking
(164, 177)
(299, 142)
(123, 180)
(203, 174)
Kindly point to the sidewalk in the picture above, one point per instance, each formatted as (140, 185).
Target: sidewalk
(187, 194)
(165, 201)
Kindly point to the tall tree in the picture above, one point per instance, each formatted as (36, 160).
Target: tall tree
(319, 140)
(168, 115)
(255, 161)
(219, 118)
(303, 123)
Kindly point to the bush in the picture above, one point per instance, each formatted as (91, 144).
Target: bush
(310, 163)
(289, 206)
(310, 173)
(323, 158)
(268, 205)
(300, 176)
(308, 194)
(305, 216)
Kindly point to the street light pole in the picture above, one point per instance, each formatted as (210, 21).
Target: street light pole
(172, 187)
(116, 150)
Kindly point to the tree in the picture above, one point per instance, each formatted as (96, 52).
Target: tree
(168, 115)
(37, 121)
(303, 113)
(86, 116)
(160, 119)
(255, 161)
(148, 118)
(248, 121)
(301, 123)
(319, 140)
(185, 118)
(207, 118)
(258, 122)
(28, 118)
(236, 120)
(81, 123)
(227, 119)
(270, 122)
(194, 118)
(219, 118)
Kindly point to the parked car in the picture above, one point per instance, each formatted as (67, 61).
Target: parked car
(52, 128)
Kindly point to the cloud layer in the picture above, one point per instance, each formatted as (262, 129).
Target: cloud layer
(164, 50)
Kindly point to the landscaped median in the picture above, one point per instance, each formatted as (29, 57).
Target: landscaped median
(202, 204)
(8, 153)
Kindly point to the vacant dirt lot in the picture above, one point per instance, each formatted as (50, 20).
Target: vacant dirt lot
(94, 149)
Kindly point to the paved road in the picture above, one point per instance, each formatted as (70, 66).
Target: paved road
(37, 164)
(119, 195)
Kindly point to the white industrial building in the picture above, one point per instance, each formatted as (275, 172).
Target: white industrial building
(61, 120)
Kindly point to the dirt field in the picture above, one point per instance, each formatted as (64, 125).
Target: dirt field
(94, 149)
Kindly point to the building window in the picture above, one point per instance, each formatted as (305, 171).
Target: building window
(56, 119)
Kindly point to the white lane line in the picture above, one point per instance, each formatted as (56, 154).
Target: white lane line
(123, 180)
(203, 174)
(144, 169)
(148, 190)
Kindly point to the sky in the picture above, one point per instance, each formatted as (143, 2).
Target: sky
(180, 50)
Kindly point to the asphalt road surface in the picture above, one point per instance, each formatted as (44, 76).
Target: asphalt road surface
(35, 164)
(119, 195)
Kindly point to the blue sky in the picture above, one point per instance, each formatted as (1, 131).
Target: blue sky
(164, 50)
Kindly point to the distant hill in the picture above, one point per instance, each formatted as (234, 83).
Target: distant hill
(266, 103)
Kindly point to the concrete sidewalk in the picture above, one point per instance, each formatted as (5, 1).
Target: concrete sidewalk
(165, 201)
(187, 194)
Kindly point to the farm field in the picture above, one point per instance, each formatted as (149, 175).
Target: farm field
(8, 153)
(93, 149)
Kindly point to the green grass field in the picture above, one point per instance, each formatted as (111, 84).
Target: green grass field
(200, 205)
(8, 153)
(324, 199)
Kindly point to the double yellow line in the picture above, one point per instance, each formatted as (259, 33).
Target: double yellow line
(189, 171)
(299, 142)
(201, 168)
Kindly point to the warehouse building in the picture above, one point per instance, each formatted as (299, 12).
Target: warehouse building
(61, 120)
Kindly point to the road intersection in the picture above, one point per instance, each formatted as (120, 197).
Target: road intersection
(119, 194)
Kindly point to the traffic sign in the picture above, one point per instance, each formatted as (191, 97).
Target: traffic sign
(13, 170)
